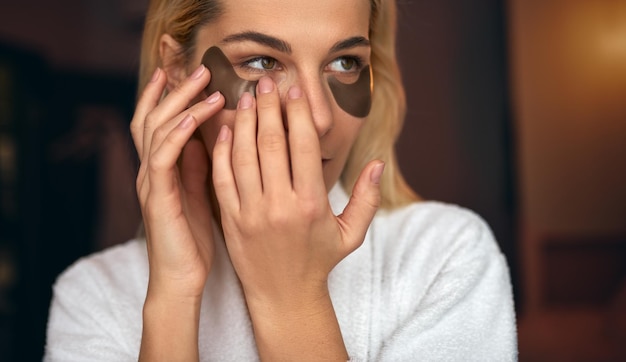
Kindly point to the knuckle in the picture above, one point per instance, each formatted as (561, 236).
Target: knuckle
(183, 90)
(243, 157)
(266, 102)
(150, 210)
(151, 119)
(249, 225)
(140, 180)
(310, 209)
(220, 181)
(157, 163)
(159, 134)
(278, 217)
(371, 200)
(135, 127)
(271, 141)
(307, 146)
(369, 196)
(179, 90)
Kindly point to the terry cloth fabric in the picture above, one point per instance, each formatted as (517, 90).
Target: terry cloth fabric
(429, 283)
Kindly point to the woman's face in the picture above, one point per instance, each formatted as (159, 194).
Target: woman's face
(296, 42)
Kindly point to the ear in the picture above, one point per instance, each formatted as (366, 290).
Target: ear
(173, 63)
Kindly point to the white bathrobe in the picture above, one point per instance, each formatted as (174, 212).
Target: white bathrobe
(429, 283)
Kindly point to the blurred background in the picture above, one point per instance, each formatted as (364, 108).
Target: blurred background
(517, 110)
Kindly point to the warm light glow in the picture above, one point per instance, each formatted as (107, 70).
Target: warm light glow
(613, 44)
(611, 36)
(569, 71)
(588, 46)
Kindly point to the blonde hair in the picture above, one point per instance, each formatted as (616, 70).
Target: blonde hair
(182, 18)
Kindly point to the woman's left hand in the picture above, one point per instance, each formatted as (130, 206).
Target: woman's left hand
(281, 233)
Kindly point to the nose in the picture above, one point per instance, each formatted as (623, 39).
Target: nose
(316, 90)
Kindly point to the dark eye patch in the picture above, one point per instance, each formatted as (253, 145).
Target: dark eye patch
(224, 78)
(354, 98)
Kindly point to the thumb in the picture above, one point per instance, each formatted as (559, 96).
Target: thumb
(361, 208)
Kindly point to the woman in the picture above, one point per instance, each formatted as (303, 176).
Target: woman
(255, 247)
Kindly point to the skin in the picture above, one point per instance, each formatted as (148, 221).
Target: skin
(274, 158)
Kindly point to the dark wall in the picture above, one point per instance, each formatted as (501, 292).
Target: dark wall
(456, 145)
(51, 182)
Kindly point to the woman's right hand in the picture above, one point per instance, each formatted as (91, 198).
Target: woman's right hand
(172, 184)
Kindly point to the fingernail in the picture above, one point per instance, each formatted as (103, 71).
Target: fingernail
(186, 122)
(155, 75)
(213, 97)
(198, 72)
(265, 85)
(223, 135)
(294, 92)
(377, 172)
(245, 101)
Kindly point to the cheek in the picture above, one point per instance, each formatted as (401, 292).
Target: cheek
(348, 131)
(344, 135)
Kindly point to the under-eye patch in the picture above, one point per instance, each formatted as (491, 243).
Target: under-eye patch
(224, 78)
(354, 98)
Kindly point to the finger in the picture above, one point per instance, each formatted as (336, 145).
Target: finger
(194, 173)
(162, 163)
(175, 103)
(194, 170)
(142, 184)
(271, 141)
(201, 111)
(245, 159)
(148, 100)
(362, 206)
(304, 145)
(223, 178)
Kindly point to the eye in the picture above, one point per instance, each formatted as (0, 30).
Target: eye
(345, 64)
(261, 64)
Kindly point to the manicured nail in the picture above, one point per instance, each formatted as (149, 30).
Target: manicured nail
(198, 72)
(213, 97)
(186, 122)
(223, 135)
(294, 92)
(377, 172)
(266, 85)
(155, 75)
(245, 101)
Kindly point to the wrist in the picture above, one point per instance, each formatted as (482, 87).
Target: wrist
(170, 328)
(295, 329)
(175, 288)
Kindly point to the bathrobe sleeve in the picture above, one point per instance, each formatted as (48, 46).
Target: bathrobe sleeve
(87, 322)
(450, 295)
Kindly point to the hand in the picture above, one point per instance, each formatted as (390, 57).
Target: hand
(172, 184)
(281, 233)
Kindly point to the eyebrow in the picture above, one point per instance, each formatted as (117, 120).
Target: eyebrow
(355, 41)
(267, 40)
(284, 47)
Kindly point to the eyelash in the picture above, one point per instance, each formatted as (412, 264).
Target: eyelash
(246, 65)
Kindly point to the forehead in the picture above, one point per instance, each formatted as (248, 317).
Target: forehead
(295, 21)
